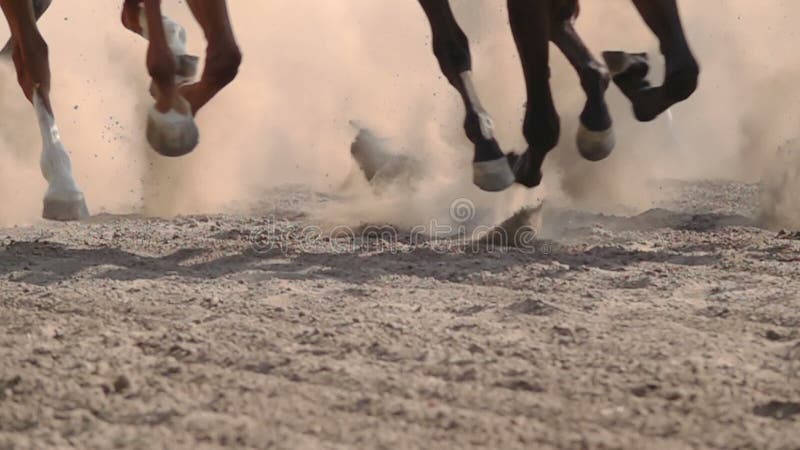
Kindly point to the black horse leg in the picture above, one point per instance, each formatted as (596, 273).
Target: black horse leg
(682, 72)
(491, 171)
(39, 7)
(531, 23)
(595, 135)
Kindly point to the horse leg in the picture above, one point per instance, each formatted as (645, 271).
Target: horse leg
(134, 18)
(531, 26)
(63, 200)
(39, 7)
(595, 134)
(682, 70)
(490, 168)
(222, 54)
(171, 129)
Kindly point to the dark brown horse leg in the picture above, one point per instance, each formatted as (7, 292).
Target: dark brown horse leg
(595, 135)
(39, 7)
(491, 171)
(682, 70)
(531, 24)
(222, 54)
(64, 200)
(171, 129)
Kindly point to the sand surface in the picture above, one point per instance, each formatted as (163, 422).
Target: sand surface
(675, 328)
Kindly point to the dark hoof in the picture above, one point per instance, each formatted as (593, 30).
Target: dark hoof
(526, 171)
(172, 134)
(65, 208)
(493, 176)
(595, 145)
(628, 64)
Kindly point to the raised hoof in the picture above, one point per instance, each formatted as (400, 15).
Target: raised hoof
(171, 134)
(595, 145)
(493, 176)
(66, 209)
(524, 173)
(634, 64)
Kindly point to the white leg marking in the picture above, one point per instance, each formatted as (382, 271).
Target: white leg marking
(62, 190)
(176, 34)
(485, 120)
(176, 40)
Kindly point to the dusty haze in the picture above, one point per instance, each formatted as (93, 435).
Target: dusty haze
(310, 67)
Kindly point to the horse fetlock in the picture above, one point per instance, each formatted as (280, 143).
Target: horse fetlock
(542, 131)
(682, 83)
(595, 79)
(527, 167)
(479, 126)
(222, 64)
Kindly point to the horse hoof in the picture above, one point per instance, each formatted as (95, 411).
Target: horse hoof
(493, 176)
(636, 64)
(65, 207)
(172, 134)
(595, 145)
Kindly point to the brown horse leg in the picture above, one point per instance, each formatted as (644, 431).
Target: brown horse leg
(682, 72)
(39, 7)
(595, 136)
(133, 20)
(222, 54)
(451, 48)
(531, 24)
(171, 129)
(63, 200)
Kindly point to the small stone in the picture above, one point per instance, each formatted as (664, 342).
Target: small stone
(121, 384)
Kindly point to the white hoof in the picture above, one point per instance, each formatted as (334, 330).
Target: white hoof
(493, 176)
(595, 145)
(171, 134)
(65, 206)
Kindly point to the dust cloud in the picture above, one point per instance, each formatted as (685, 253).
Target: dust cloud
(311, 67)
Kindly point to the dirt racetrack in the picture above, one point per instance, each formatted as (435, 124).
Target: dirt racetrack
(676, 328)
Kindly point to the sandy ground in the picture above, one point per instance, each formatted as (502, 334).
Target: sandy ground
(676, 328)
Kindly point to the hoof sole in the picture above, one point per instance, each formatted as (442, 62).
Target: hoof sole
(65, 210)
(595, 145)
(493, 176)
(172, 134)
